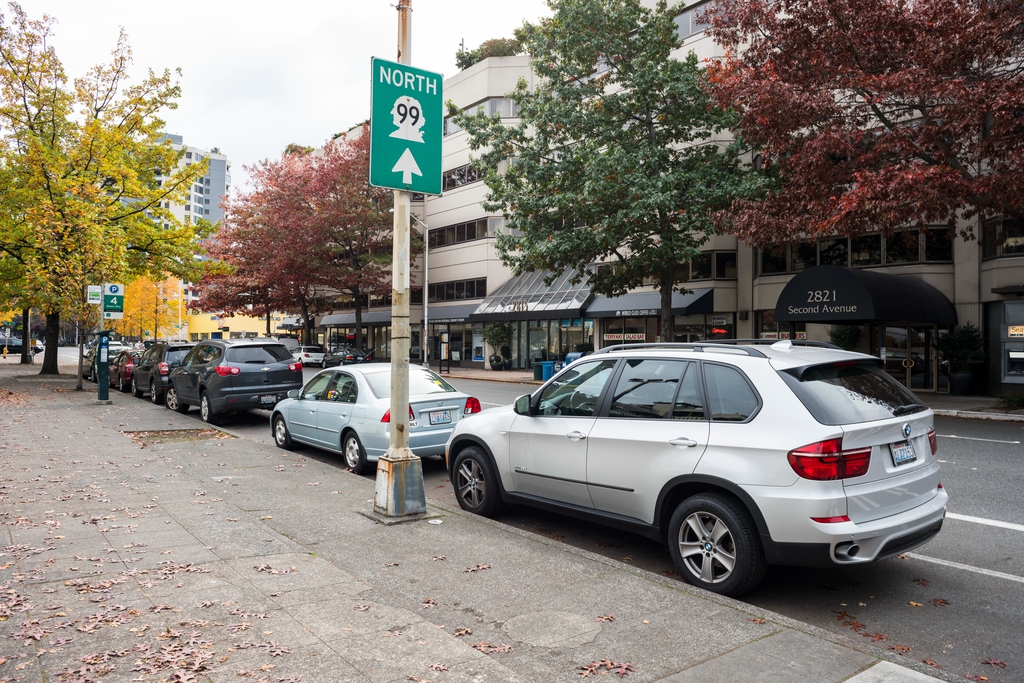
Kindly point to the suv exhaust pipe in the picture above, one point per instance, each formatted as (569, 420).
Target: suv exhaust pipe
(845, 552)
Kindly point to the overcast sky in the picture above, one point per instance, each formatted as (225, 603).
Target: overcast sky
(258, 75)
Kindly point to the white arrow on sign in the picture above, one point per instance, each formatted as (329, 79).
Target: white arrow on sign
(407, 166)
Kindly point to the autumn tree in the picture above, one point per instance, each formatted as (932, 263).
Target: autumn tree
(620, 155)
(88, 175)
(310, 229)
(495, 47)
(875, 114)
(150, 305)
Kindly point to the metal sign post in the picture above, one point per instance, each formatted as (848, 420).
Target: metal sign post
(399, 486)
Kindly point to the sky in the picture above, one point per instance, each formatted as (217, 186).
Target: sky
(257, 75)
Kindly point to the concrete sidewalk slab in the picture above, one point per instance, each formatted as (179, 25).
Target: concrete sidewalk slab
(219, 560)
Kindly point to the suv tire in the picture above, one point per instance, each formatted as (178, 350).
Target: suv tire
(136, 392)
(475, 483)
(155, 395)
(355, 454)
(722, 550)
(206, 410)
(172, 402)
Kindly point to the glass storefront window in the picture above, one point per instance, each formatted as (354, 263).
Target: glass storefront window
(720, 326)
(866, 250)
(477, 337)
(688, 328)
(537, 340)
(901, 247)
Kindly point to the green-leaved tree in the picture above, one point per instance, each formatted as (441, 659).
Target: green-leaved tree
(619, 154)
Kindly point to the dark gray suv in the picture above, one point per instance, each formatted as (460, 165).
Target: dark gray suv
(224, 375)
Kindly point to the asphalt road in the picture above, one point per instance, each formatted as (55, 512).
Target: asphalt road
(955, 602)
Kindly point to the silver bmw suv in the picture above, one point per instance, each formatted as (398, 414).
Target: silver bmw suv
(736, 455)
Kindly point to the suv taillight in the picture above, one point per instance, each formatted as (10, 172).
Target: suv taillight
(295, 367)
(387, 415)
(164, 368)
(472, 406)
(933, 442)
(826, 461)
(225, 370)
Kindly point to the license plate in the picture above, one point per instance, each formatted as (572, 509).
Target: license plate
(268, 399)
(440, 417)
(902, 453)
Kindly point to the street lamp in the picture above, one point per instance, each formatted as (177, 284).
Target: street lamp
(425, 337)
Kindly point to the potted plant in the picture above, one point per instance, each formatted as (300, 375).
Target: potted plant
(498, 335)
(961, 348)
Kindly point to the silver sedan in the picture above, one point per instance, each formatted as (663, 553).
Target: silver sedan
(347, 410)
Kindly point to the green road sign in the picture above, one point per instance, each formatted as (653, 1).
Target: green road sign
(113, 301)
(405, 127)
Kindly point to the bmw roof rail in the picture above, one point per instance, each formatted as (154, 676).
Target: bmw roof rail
(771, 342)
(695, 346)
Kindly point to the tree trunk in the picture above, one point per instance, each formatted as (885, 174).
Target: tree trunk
(81, 356)
(268, 323)
(52, 335)
(26, 338)
(667, 285)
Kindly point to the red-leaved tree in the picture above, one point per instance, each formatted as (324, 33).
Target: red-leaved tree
(875, 114)
(309, 229)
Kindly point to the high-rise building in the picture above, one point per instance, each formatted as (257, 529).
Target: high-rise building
(206, 192)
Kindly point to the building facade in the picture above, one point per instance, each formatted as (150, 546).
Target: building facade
(893, 295)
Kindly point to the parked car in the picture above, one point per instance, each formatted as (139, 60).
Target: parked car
(121, 368)
(347, 411)
(154, 368)
(224, 375)
(90, 370)
(346, 355)
(13, 345)
(309, 355)
(736, 456)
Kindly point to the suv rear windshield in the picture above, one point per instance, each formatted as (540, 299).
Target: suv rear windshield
(421, 381)
(175, 355)
(267, 353)
(310, 349)
(848, 393)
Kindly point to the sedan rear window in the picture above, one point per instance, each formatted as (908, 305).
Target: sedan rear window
(849, 393)
(269, 353)
(421, 381)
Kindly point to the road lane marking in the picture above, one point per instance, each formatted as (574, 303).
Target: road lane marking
(974, 438)
(967, 567)
(989, 522)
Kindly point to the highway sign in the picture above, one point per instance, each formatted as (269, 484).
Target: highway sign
(113, 301)
(405, 127)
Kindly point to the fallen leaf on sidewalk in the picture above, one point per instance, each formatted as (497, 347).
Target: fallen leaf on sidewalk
(758, 620)
(900, 649)
(605, 617)
(429, 602)
(489, 649)
(915, 604)
(435, 558)
(362, 608)
(477, 568)
(876, 637)
(995, 662)
(931, 662)
(939, 602)
(459, 632)
(437, 667)
(922, 582)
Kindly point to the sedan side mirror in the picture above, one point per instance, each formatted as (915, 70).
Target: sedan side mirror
(294, 393)
(522, 405)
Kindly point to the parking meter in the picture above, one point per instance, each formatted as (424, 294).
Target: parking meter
(102, 366)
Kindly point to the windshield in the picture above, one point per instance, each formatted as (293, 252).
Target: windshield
(175, 355)
(268, 353)
(848, 393)
(421, 381)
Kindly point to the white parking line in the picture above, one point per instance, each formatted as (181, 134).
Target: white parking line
(989, 522)
(972, 438)
(967, 567)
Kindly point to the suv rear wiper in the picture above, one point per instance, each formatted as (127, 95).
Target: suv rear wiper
(907, 408)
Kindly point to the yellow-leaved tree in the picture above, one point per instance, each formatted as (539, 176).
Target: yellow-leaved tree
(151, 308)
(89, 177)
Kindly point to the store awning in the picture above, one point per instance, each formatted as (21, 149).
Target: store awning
(349, 319)
(649, 303)
(833, 294)
(450, 314)
(526, 297)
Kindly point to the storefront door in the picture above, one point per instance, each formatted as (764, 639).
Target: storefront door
(910, 355)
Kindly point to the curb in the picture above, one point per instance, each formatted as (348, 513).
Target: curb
(974, 415)
(502, 380)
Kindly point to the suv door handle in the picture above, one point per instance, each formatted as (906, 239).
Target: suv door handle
(689, 443)
(575, 436)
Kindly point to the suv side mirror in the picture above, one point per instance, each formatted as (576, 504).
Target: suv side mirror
(522, 405)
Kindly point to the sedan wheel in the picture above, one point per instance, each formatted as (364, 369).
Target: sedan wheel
(172, 402)
(121, 386)
(716, 545)
(355, 456)
(476, 486)
(281, 436)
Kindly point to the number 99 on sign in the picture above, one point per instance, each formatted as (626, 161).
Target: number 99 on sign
(405, 112)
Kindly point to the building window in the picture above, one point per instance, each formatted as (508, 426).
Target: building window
(938, 244)
(688, 24)
(725, 265)
(803, 255)
(188, 207)
(902, 247)
(456, 291)
(459, 177)
(866, 250)
(700, 266)
(773, 259)
(834, 252)
(1002, 237)
(188, 155)
(206, 212)
(206, 201)
(455, 234)
(504, 107)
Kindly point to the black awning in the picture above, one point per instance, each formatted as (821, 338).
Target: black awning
(450, 314)
(832, 294)
(649, 303)
(526, 297)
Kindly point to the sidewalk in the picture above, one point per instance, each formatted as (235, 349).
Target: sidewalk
(140, 547)
(978, 407)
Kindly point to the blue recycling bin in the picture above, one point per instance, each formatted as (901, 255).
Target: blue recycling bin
(547, 370)
(573, 357)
